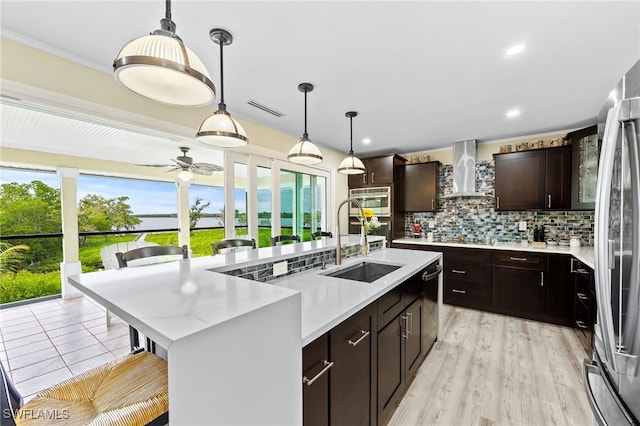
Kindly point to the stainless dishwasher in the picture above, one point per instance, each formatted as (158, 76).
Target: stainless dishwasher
(430, 283)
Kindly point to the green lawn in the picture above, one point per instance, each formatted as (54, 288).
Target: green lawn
(27, 285)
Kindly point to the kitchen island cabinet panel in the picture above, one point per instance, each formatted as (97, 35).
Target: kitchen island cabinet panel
(391, 374)
(353, 377)
(315, 396)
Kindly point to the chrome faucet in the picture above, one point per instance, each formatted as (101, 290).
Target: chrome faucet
(358, 204)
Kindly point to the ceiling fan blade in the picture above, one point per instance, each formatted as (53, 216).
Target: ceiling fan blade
(155, 165)
(199, 171)
(181, 163)
(210, 167)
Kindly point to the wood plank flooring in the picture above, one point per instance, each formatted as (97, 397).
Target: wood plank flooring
(492, 369)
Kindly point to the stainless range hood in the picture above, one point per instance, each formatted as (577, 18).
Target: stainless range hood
(464, 170)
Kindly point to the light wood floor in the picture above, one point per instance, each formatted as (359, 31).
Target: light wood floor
(492, 369)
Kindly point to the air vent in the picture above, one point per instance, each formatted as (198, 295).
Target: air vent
(265, 108)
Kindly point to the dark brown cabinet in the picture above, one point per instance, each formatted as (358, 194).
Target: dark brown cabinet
(584, 315)
(353, 350)
(380, 171)
(421, 187)
(584, 167)
(519, 282)
(315, 382)
(533, 180)
(467, 277)
(560, 289)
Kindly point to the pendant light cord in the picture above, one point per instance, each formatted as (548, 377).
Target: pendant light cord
(351, 144)
(305, 135)
(221, 72)
(167, 13)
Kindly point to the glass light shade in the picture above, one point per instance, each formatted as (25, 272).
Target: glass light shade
(185, 175)
(222, 130)
(351, 166)
(155, 66)
(305, 152)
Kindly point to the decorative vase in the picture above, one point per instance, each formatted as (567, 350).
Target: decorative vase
(363, 241)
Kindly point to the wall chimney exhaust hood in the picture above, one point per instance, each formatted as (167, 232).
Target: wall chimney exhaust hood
(464, 170)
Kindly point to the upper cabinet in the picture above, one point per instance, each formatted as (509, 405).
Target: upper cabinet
(421, 187)
(534, 180)
(379, 171)
(584, 145)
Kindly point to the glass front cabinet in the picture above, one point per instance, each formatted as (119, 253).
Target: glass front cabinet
(585, 155)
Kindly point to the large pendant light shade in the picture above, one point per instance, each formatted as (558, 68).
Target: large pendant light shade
(305, 152)
(221, 129)
(351, 165)
(160, 67)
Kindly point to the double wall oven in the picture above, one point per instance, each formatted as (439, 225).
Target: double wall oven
(377, 199)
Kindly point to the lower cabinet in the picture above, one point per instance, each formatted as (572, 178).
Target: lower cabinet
(584, 302)
(519, 282)
(357, 373)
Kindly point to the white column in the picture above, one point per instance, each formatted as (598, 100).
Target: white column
(70, 264)
(184, 236)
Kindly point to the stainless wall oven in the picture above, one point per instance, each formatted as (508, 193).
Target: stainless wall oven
(377, 199)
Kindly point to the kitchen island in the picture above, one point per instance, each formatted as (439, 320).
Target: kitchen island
(233, 344)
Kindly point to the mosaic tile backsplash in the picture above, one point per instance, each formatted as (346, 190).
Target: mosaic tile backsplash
(476, 220)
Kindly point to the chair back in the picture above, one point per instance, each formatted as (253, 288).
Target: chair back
(317, 234)
(279, 238)
(158, 253)
(108, 253)
(232, 243)
(10, 399)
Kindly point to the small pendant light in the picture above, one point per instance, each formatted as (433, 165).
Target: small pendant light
(351, 165)
(220, 129)
(305, 152)
(160, 67)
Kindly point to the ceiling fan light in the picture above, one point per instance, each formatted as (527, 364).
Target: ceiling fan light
(305, 152)
(351, 165)
(222, 130)
(185, 175)
(160, 67)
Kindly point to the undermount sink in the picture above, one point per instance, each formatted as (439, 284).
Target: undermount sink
(366, 272)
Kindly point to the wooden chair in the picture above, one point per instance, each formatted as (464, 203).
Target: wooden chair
(155, 254)
(317, 234)
(152, 252)
(279, 238)
(232, 243)
(131, 390)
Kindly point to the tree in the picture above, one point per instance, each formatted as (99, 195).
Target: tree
(196, 211)
(11, 256)
(97, 213)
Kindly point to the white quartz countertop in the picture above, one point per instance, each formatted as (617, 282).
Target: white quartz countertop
(583, 254)
(174, 300)
(327, 301)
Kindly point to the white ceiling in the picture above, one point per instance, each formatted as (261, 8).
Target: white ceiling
(421, 74)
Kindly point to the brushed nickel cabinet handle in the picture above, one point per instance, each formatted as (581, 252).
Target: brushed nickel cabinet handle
(406, 326)
(455, 290)
(519, 259)
(433, 204)
(373, 177)
(410, 323)
(497, 202)
(549, 205)
(541, 279)
(363, 335)
(581, 324)
(458, 271)
(582, 296)
(327, 366)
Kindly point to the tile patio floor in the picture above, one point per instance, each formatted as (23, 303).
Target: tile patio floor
(44, 343)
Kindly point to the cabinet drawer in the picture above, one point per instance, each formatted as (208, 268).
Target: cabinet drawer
(389, 306)
(467, 255)
(470, 294)
(467, 272)
(520, 259)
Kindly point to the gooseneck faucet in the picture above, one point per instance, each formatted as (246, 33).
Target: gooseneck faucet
(358, 204)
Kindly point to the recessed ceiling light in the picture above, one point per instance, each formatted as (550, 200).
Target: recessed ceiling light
(366, 141)
(513, 113)
(514, 50)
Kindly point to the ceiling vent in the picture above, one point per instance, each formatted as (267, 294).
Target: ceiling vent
(265, 108)
(464, 170)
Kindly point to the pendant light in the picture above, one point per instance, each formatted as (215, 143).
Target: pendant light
(305, 152)
(220, 129)
(160, 67)
(352, 164)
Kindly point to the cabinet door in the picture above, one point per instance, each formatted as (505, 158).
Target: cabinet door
(352, 348)
(315, 396)
(584, 168)
(414, 336)
(520, 180)
(519, 291)
(380, 170)
(361, 179)
(558, 178)
(560, 290)
(391, 376)
(421, 187)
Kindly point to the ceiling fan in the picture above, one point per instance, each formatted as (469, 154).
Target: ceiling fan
(187, 168)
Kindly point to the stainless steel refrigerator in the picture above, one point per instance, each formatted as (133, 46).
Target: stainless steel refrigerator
(612, 377)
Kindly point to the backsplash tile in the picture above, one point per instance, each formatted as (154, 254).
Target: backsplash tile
(476, 220)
